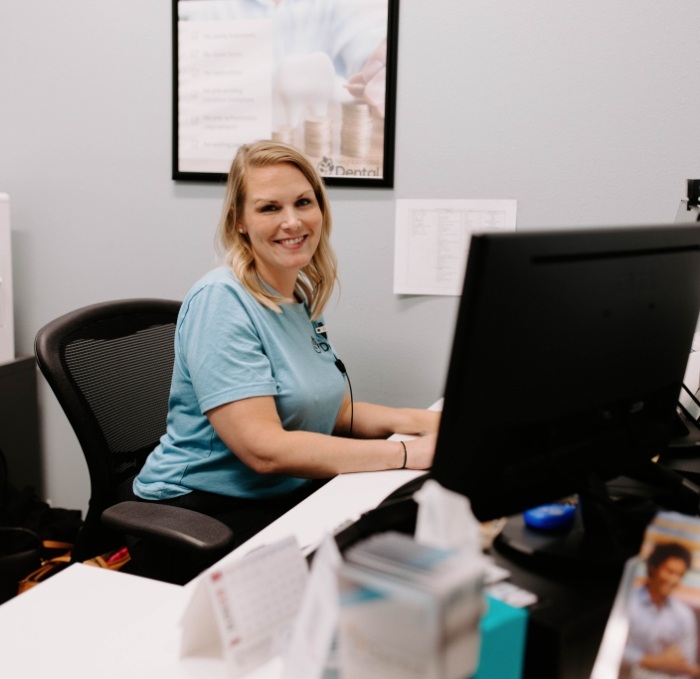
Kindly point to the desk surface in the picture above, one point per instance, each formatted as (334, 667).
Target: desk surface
(86, 617)
(73, 620)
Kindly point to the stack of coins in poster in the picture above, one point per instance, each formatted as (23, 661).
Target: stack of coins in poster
(318, 138)
(283, 134)
(356, 130)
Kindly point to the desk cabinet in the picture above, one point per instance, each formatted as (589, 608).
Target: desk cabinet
(19, 423)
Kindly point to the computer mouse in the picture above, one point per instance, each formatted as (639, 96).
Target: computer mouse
(550, 517)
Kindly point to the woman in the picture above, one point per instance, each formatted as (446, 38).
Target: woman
(258, 406)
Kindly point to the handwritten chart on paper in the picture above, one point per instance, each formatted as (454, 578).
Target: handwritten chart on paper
(432, 241)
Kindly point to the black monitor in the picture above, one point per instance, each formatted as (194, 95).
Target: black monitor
(568, 359)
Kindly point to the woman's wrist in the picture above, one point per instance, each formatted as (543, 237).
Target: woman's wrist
(404, 454)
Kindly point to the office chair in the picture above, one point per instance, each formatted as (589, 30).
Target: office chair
(110, 367)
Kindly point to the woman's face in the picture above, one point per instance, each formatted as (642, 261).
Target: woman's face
(283, 221)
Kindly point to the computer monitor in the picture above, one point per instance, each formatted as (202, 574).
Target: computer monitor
(568, 359)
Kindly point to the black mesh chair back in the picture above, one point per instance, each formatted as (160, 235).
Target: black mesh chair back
(110, 367)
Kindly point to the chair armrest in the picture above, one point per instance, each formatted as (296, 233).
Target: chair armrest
(172, 526)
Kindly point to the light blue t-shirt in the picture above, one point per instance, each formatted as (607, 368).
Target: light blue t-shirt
(229, 347)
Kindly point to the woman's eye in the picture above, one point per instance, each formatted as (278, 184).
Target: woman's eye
(268, 208)
(303, 201)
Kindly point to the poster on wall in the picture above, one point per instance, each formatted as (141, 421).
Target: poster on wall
(317, 74)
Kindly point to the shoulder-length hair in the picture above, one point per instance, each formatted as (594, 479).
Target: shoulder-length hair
(317, 279)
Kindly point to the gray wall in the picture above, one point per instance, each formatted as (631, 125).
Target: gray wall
(585, 111)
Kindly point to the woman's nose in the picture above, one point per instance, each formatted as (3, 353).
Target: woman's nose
(290, 219)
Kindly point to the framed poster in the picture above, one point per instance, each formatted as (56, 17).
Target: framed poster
(317, 74)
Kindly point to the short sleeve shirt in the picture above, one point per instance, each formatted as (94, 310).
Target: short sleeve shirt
(653, 629)
(229, 347)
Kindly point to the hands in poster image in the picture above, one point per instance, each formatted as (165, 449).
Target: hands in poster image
(370, 83)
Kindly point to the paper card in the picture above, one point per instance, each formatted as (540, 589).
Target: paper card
(252, 601)
(316, 624)
(200, 635)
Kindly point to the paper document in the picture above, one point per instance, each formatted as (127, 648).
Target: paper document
(251, 602)
(432, 241)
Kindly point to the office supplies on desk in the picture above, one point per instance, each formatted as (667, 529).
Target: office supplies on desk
(503, 626)
(409, 611)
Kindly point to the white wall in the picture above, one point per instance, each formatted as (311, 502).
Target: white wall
(585, 111)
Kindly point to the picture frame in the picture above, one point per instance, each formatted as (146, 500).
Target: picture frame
(317, 74)
(666, 572)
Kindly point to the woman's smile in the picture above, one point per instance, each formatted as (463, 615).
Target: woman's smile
(292, 242)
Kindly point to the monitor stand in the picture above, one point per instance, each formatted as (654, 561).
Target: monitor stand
(608, 527)
(580, 549)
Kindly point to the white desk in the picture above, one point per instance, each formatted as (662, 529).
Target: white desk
(332, 507)
(71, 621)
(90, 620)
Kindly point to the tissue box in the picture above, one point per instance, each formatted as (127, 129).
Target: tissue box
(393, 629)
(503, 635)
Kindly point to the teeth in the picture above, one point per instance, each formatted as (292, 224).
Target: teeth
(292, 241)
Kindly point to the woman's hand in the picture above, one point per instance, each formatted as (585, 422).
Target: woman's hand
(420, 452)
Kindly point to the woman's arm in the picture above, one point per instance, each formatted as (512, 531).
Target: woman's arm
(375, 421)
(252, 429)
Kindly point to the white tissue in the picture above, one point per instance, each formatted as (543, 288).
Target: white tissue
(445, 519)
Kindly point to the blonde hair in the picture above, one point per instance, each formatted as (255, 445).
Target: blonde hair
(317, 279)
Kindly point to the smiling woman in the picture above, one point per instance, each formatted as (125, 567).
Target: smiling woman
(258, 411)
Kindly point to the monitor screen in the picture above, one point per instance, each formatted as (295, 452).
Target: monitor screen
(568, 358)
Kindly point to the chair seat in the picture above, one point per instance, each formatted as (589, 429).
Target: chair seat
(172, 526)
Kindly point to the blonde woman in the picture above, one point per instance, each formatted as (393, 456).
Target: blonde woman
(259, 407)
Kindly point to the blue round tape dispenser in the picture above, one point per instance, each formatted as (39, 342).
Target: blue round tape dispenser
(555, 516)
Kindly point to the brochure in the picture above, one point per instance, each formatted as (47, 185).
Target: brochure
(653, 631)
